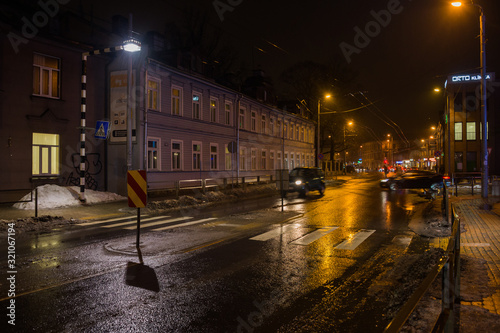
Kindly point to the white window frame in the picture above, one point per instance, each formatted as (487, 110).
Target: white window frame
(228, 107)
(198, 154)
(47, 154)
(242, 157)
(180, 151)
(178, 99)
(253, 159)
(197, 106)
(151, 97)
(228, 158)
(214, 114)
(471, 129)
(151, 151)
(49, 71)
(460, 125)
(214, 163)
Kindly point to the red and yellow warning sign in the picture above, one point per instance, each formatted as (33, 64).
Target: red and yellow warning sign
(137, 188)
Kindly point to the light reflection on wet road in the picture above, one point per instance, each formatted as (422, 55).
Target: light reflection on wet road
(290, 282)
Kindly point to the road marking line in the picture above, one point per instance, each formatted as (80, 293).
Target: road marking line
(145, 225)
(185, 224)
(403, 241)
(354, 241)
(133, 222)
(313, 236)
(476, 244)
(110, 220)
(274, 233)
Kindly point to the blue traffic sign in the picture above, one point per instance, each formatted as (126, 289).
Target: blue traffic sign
(101, 130)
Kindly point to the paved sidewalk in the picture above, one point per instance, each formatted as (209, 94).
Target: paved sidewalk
(482, 240)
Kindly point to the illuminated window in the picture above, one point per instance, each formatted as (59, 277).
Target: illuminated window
(228, 160)
(213, 110)
(46, 76)
(458, 131)
(471, 130)
(154, 94)
(196, 106)
(176, 155)
(45, 154)
(176, 101)
(196, 155)
(153, 154)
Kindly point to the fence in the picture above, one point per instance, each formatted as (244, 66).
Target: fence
(6, 195)
(449, 266)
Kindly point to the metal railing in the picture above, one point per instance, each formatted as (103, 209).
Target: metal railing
(449, 267)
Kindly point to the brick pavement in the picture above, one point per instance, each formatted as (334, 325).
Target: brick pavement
(482, 240)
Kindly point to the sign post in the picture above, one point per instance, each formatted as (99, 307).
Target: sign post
(137, 189)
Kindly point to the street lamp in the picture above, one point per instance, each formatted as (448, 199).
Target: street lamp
(130, 45)
(345, 146)
(484, 108)
(319, 126)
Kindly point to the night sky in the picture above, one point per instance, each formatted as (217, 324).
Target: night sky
(408, 54)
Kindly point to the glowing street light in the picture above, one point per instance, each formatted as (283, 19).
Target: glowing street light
(327, 96)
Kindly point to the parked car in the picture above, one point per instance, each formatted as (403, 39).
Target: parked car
(414, 179)
(303, 180)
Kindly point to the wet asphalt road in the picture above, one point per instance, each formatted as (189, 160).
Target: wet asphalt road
(316, 267)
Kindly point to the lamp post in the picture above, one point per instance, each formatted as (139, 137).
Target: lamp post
(319, 127)
(345, 147)
(130, 45)
(484, 107)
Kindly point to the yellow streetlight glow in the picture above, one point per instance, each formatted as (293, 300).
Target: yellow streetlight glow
(350, 123)
(328, 96)
(433, 128)
(456, 4)
(437, 90)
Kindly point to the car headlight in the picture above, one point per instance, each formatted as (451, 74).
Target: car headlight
(298, 182)
(384, 180)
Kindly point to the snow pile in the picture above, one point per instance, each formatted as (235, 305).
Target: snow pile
(53, 196)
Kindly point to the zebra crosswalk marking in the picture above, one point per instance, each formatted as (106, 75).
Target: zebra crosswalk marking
(274, 233)
(151, 224)
(314, 236)
(185, 224)
(110, 220)
(132, 222)
(354, 241)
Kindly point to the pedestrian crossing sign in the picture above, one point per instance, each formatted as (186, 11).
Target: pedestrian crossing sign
(102, 130)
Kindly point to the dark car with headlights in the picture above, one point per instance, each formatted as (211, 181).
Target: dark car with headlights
(415, 179)
(303, 180)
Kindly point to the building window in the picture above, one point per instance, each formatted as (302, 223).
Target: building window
(46, 76)
(214, 164)
(291, 131)
(154, 94)
(458, 131)
(243, 153)
(271, 126)
(253, 158)
(196, 106)
(176, 155)
(459, 161)
(227, 114)
(278, 128)
(302, 134)
(153, 154)
(297, 135)
(196, 155)
(457, 103)
(263, 125)
(278, 158)
(253, 122)
(471, 131)
(176, 101)
(242, 119)
(471, 102)
(213, 110)
(45, 154)
(292, 161)
(271, 160)
(471, 160)
(285, 165)
(228, 159)
(263, 160)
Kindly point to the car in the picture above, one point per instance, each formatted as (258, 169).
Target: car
(415, 179)
(304, 179)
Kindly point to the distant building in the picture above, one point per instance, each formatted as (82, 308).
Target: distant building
(463, 109)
